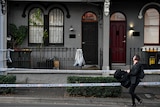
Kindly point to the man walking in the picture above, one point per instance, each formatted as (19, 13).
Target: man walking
(134, 77)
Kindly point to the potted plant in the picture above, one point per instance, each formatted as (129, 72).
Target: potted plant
(18, 34)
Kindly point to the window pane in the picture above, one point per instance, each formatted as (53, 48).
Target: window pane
(151, 35)
(117, 16)
(152, 17)
(151, 27)
(89, 17)
(56, 35)
(36, 26)
(36, 34)
(56, 26)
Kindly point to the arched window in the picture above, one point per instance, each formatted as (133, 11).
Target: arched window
(151, 27)
(56, 26)
(36, 26)
(89, 17)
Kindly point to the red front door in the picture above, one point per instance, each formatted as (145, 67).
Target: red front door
(118, 41)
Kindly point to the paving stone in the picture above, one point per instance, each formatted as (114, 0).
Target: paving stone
(148, 96)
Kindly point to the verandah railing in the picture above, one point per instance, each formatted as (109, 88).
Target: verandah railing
(45, 57)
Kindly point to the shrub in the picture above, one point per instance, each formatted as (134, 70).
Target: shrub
(95, 91)
(7, 79)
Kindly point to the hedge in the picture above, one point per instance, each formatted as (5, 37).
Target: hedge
(7, 79)
(95, 91)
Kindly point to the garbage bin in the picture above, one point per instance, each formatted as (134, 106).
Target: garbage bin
(49, 63)
(21, 58)
(153, 60)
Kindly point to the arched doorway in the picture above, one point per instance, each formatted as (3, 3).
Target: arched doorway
(118, 38)
(90, 38)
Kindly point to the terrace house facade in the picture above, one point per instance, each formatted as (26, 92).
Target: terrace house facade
(109, 32)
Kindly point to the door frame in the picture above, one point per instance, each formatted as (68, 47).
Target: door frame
(119, 18)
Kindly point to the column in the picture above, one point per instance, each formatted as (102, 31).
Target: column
(106, 26)
(3, 31)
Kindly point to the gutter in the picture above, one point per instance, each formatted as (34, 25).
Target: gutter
(63, 0)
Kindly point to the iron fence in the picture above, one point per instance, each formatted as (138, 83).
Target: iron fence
(57, 58)
(63, 58)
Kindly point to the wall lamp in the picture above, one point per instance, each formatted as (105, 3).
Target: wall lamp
(131, 29)
(3, 6)
(9, 38)
(71, 28)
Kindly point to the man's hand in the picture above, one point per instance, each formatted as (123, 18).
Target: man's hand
(128, 71)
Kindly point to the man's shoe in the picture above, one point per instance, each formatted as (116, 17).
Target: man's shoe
(133, 105)
(140, 102)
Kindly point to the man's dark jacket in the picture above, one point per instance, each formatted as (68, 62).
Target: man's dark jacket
(134, 73)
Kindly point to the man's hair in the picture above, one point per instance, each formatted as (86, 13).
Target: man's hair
(137, 57)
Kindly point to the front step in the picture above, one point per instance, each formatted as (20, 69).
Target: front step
(123, 67)
(90, 67)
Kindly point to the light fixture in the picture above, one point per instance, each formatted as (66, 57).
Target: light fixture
(131, 29)
(3, 6)
(9, 38)
(71, 28)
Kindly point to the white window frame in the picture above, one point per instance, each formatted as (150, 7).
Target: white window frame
(36, 26)
(151, 27)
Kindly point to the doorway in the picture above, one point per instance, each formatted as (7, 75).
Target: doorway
(118, 38)
(90, 38)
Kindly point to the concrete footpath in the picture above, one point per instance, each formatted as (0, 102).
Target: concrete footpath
(59, 96)
(108, 102)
